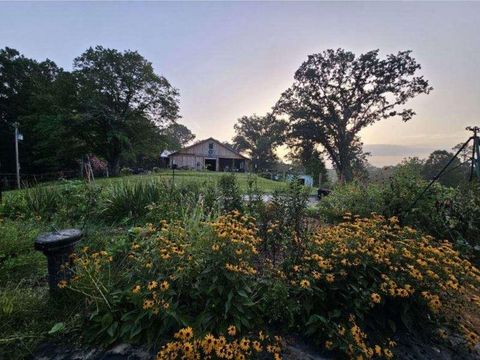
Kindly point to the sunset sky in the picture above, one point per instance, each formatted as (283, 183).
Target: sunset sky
(234, 59)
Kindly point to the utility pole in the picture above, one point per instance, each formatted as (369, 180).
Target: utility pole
(473, 166)
(17, 162)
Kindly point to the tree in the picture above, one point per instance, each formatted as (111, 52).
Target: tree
(15, 92)
(454, 175)
(336, 94)
(311, 159)
(177, 136)
(120, 98)
(259, 136)
(33, 95)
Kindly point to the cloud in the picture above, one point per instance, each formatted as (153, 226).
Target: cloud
(392, 154)
(397, 150)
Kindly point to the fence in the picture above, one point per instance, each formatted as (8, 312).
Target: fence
(8, 181)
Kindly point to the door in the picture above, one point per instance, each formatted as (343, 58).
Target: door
(211, 164)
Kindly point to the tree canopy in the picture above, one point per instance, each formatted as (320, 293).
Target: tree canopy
(336, 94)
(112, 105)
(455, 174)
(119, 93)
(259, 136)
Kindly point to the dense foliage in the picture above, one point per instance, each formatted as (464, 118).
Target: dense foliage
(350, 288)
(443, 212)
(112, 105)
(227, 275)
(259, 137)
(336, 94)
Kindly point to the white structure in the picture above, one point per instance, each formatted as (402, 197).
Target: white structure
(306, 180)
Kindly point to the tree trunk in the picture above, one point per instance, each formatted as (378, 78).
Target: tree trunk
(114, 166)
(344, 170)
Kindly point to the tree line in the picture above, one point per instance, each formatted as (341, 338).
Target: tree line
(112, 105)
(334, 96)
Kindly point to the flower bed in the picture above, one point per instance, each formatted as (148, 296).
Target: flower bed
(348, 288)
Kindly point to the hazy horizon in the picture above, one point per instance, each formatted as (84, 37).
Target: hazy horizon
(234, 59)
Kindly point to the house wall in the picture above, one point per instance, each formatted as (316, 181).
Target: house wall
(202, 149)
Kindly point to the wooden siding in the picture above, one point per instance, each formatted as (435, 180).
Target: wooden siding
(202, 149)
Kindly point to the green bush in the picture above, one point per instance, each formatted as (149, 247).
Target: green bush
(442, 212)
(230, 195)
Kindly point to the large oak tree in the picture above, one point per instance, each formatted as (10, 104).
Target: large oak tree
(120, 95)
(336, 94)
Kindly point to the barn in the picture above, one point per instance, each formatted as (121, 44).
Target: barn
(209, 154)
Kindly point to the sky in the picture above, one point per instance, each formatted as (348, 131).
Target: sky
(230, 59)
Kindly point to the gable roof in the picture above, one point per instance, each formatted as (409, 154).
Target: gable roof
(210, 139)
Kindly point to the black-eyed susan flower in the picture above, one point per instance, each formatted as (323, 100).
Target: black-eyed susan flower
(232, 330)
(305, 284)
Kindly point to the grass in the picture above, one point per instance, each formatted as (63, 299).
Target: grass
(28, 314)
(183, 177)
(188, 176)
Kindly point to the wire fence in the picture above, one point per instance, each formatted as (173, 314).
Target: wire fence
(8, 181)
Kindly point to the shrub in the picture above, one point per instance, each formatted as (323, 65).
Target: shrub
(354, 198)
(129, 200)
(282, 221)
(42, 201)
(167, 277)
(374, 274)
(441, 212)
(351, 288)
(230, 195)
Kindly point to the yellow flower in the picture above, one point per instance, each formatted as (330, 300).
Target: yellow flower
(375, 298)
(164, 285)
(136, 289)
(152, 285)
(232, 330)
(62, 284)
(388, 353)
(215, 247)
(244, 344)
(305, 284)
(187, 333)
(328, 344)
(256, 346)
(147, 304)
(188, 348)
(330, 278)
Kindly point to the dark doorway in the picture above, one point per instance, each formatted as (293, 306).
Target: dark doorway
(211, 164)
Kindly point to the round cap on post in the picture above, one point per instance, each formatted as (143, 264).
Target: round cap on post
(57, 247)
(58, 240)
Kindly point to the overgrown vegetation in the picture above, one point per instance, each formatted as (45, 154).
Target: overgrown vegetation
(443, 212)
(206, 268)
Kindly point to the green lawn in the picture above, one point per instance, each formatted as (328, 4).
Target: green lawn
(187, 176)
(183, 176)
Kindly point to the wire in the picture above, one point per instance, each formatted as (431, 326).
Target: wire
(438, 175)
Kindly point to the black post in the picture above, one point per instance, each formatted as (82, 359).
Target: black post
(472, 167)
(57, 247)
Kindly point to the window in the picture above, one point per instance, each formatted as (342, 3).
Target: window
(210, 146)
